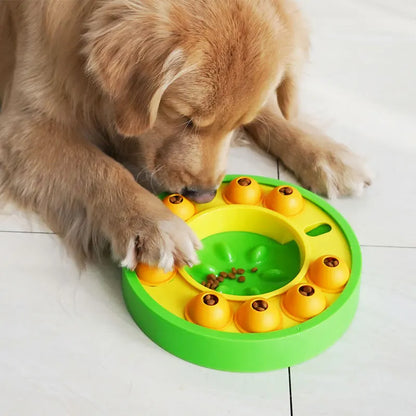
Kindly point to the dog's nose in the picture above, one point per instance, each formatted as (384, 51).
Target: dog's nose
(200, 196)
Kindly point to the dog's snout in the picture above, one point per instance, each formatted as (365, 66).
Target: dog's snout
(200, 196)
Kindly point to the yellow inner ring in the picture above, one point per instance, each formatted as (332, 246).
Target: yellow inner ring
(253, 219)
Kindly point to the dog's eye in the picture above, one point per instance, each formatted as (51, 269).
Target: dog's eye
(189, 123)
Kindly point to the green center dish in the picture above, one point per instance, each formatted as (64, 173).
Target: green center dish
(277, 264)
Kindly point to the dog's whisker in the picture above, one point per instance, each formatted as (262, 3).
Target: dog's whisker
(142, 171)
(152, 175)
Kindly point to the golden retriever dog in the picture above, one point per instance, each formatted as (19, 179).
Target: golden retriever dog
(106, 102)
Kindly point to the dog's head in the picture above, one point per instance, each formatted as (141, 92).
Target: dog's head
(184, 76)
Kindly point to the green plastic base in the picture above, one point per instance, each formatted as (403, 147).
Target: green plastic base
(249, 352)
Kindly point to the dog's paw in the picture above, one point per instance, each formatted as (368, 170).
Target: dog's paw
(165, 244)
(337, 171)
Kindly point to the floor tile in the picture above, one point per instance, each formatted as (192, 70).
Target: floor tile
(68, 346)
(371, 369)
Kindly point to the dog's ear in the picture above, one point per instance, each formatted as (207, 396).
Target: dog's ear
(133, 66)
(136, 103)
(287, 96)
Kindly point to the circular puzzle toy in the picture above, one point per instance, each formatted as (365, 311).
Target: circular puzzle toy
(278, 281)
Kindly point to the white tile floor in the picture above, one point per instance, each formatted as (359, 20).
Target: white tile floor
(69, 347)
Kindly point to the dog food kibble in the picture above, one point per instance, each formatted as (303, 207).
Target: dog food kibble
(210, 300)
(260, 305)
(212, 281)
(286, 190)
(331, 262)
(306, 290)
(244, 181)
(175, 199)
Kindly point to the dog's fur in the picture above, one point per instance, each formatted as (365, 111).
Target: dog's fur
(98, 95)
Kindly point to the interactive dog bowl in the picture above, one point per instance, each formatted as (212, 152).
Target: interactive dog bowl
(299, 292)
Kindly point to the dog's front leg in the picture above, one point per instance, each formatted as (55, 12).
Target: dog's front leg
(321, 164)
(88, 198)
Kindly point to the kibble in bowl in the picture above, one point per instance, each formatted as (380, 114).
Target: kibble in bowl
(260, 305)
(210, 299)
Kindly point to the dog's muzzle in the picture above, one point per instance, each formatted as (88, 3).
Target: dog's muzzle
(200, 196)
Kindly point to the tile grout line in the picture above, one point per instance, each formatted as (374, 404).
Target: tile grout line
(290, 391)
(382, 246)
